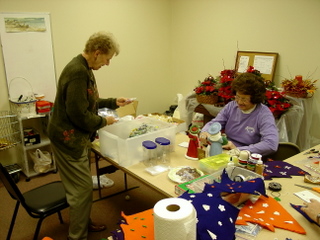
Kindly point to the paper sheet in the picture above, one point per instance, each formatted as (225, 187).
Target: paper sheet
(306, 195)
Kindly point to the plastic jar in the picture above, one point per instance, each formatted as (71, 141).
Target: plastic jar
(149, 153)
(163, 152)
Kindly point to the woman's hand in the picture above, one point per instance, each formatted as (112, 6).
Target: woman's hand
(312, 209)
(123, 101)
(229, 146)
(111, 120)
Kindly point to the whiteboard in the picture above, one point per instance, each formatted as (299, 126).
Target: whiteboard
(28, 54)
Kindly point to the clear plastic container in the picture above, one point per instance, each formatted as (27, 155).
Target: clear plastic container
(149, 153)
(163, 152)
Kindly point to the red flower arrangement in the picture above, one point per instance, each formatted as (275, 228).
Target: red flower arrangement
(277, 103)
(226, 78)
(221, 86)
(298, 87)
(207, 87)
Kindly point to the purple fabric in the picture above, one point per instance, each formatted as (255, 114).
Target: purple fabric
(298, 208)
(281, 169)
(216, 215)
(254, 186)
(256, 131)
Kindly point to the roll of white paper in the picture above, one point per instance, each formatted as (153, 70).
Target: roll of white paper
(174, 219)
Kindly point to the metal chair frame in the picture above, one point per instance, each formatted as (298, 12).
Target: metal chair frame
(39, 202)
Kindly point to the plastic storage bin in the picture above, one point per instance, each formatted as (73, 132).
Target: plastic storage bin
(197, 185)
(214, 163)
(116, 144)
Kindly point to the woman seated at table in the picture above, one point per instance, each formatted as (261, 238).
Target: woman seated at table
(247, 122)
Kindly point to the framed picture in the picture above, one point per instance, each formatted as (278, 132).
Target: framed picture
(265, 62)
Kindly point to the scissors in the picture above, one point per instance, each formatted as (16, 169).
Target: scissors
(316, 189)
(311, 151)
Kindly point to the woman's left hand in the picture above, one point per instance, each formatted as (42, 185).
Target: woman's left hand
(123, 101)
(229, 146)
(312, 209)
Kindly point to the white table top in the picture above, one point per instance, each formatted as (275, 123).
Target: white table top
(165, 186)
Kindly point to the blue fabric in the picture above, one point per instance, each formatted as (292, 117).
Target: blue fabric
(298, 208)
(214, 214)
(281, 169)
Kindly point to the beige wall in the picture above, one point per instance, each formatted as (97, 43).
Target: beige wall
(167, 45)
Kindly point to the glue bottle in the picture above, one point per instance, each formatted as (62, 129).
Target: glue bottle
(259, 167)
(230, 163)
(252, 161)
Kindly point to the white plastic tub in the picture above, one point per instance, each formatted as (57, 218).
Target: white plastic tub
(116, 144)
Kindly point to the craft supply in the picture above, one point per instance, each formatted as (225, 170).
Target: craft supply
(230, 163)
(316, 189)
(163, 150)
(311, 179)
(174, 219)
(307, 195)
(243, 158)
(259, 167)
(149, 153)
(239, 178)
(252, 161)
(274, 186)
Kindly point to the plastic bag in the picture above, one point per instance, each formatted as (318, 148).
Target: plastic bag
(104, 182)
(42, 161)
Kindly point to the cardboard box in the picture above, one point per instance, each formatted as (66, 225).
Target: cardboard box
(181, 125)
(116, 144)
(30, 136)
(130, 109)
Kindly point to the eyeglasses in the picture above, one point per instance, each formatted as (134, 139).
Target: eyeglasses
(244, 100)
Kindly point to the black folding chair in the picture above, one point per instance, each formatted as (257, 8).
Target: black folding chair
(39, 202)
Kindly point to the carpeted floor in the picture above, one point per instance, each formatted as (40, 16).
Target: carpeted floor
(106, 211)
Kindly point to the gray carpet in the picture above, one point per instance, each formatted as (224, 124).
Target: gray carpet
(106, 211)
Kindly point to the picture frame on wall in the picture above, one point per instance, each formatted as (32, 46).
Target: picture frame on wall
(265, 62)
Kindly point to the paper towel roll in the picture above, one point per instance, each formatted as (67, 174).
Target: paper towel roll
(174, 219)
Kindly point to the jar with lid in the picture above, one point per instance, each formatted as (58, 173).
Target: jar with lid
(252, 161)
(163, 152)
(149, 153)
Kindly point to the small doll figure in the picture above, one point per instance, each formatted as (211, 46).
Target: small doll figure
(192, 152)
(216, 140)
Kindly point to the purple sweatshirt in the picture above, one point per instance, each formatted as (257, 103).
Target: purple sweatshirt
(255, 131)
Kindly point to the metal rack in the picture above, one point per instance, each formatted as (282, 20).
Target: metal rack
(9, 130)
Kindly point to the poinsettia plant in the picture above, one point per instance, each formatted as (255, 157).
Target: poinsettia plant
(275, 99)
(277, 103)
(226, 77)
(207, 87)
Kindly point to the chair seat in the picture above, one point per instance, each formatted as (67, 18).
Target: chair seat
(46, 198)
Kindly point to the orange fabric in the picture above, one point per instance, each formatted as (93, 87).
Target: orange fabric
(268, 213)
(139, 225)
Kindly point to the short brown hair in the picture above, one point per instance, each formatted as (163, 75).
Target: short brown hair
(250, 84)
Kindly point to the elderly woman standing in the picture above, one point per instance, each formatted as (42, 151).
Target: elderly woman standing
(74, 121)
(247, 122)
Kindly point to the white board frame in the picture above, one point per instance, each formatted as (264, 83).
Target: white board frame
(28, 55)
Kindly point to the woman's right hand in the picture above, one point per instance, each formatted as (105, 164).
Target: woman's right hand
(111, 120)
